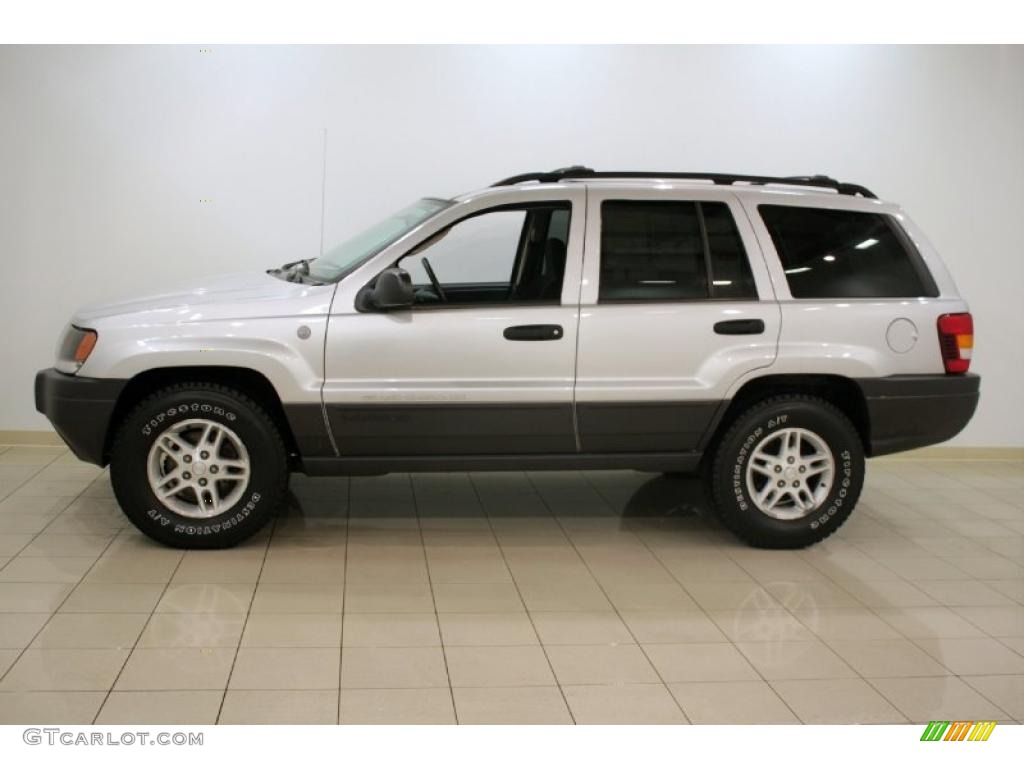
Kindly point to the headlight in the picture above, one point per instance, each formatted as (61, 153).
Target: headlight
(75, 348)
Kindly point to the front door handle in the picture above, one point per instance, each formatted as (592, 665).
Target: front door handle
(533, 332)
(739, 327)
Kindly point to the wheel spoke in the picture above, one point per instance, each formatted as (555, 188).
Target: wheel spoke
(214, 494)
(205, 439)
(814, 471)
(217, 442)
(169, 485)
(804, 498)
(167, 453)
(211, 440)
(209, 499)
(793, 443)
(763, 462)
(169, 441)
(769, 496)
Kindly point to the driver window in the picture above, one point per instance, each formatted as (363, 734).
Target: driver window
(497, 256)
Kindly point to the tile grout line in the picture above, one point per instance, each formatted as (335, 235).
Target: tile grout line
(983, 694)
(874, 610)
(915, 583)
(600, 586)
(828, 643)
(433, 598)
(54, 612)
(709, 618)
(824, 641)
(248, 614)
(75, 585)
(861, 546)
(706, 614)
(867, 680)
(905, 713)
(39, 468)
(71, 500)
(519, 594)
(344, 591)
(913, 640)
(135, 645)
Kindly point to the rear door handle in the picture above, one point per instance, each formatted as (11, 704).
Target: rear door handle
(739, 327)
(533, 332)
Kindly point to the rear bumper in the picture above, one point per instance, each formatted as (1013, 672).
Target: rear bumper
(79, 409)
(914, 411)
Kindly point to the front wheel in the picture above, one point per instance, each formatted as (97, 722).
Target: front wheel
(199, 466)
(788, 472)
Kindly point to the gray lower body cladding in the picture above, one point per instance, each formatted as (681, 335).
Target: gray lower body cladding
(905, 412)
(431, 429)
(914, 411)
(80, 409)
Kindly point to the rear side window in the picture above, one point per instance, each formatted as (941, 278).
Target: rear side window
(830, 254)
(671, 251)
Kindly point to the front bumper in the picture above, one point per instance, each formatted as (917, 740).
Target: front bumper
(914, 411)
(79, 409)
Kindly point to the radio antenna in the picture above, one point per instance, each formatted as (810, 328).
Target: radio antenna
(323, 195)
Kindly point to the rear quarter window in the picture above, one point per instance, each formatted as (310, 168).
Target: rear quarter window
(835, 254)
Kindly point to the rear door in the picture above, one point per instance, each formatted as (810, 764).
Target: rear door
(676, 306)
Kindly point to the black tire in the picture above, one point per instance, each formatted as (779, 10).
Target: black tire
(727, 479)
(263, 493)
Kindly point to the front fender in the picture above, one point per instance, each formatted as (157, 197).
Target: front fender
(272, 347)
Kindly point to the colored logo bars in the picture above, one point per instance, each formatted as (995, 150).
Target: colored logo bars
(959, 730)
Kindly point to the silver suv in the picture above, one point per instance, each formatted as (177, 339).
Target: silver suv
(768, 332)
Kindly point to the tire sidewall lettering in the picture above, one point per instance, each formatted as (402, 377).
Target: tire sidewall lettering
(838, 496)
(739, 467)
(185, 410)
(198, 529)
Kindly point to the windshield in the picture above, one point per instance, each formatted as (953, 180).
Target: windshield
(343, 258)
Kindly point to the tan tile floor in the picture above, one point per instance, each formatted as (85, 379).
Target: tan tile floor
(514, 598)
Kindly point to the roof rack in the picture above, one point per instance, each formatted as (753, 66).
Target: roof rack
(582, 172)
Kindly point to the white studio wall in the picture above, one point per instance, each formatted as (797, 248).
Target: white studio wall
(131, 169)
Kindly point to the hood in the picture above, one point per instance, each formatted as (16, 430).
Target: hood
(240, 295)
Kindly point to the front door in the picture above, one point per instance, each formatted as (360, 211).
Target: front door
(483, 363)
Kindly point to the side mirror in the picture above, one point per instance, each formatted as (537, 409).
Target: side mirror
(392, 290)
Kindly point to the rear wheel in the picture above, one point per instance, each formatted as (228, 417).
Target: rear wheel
(199, 466)
(788, 472)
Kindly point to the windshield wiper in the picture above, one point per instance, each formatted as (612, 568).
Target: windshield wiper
(298, 269)
(295, 272)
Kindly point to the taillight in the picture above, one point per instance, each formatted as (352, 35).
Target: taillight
(956, 340)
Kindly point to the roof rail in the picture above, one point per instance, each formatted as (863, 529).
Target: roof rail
(582, 172)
